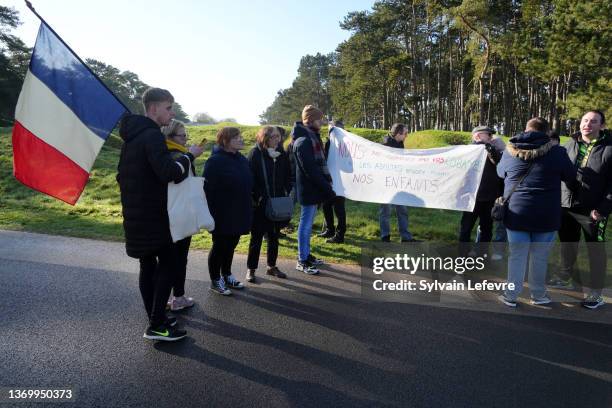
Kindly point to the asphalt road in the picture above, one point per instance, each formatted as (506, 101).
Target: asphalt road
(71, 317)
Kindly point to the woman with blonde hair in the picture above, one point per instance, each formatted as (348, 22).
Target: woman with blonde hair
(176, 140)
(266, 156)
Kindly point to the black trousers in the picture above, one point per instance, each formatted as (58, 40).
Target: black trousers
(221, 255)
(261, 226)
(155, 282)
(572, 224)
(482, 212)
(336, 205)
(180, 271)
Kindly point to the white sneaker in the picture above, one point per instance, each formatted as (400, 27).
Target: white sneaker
(307, 267)
(180, 303)
(497, 257)
(544, 300)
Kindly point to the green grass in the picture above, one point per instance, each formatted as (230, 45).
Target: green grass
(98, 212)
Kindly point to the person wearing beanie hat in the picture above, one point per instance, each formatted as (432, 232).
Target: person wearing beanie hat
(313, 182)
(311, 114)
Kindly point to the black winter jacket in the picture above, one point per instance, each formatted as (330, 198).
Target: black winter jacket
(491, 186)
(595, 189)
(228, 184)
(279, 175)
(144, 171)
(391, 142)
(312, 185)
(279, 180)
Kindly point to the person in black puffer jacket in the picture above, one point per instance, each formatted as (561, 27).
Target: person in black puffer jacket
(228, 184)
(534, 210)
(144, 171)
(587, 209)
(279, 184)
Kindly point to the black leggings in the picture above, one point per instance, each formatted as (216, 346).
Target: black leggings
(155, 282)
(180, 272)
(573, 223)
(336, 205)
(262, 227)
(221, 255)
(482, 212)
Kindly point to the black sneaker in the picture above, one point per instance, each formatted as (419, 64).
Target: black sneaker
(336, 239)
(326, 234)
(386, 238)
(593, 302)
(164, 333)
(274, 271)
(307, 267)
(171, 321)
(314, 261)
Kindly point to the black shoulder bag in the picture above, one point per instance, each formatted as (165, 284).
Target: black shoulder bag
(278, 209)
(498, 212)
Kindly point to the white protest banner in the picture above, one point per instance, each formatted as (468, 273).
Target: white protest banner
(446, 177)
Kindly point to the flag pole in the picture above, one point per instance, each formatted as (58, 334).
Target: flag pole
(42, 20)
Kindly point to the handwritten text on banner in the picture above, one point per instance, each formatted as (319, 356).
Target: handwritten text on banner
(446, 178)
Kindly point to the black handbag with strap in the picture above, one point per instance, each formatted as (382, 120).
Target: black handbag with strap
(498, 212)
(277, 209)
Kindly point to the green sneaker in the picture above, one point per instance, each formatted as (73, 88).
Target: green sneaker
(164, 333)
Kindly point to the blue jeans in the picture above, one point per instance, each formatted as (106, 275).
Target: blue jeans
(307, 215)
(402, 220)
(533, 248)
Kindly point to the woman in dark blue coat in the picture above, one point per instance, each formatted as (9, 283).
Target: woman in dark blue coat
(228, 184)
(534, 210)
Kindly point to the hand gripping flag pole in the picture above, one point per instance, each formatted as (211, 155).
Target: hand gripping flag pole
(63, 116)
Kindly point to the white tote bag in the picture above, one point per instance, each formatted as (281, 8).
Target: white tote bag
(187, 208)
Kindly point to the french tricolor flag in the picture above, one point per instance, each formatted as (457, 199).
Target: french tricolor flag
(63, 117)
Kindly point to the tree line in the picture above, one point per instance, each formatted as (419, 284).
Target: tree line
(444, 64)
(14, 60)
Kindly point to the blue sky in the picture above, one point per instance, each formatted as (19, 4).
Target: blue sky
(227, 58)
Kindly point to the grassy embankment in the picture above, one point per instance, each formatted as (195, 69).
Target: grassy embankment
(98, 212)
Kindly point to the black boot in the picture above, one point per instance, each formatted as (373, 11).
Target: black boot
(336, 239)
(327, 233)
